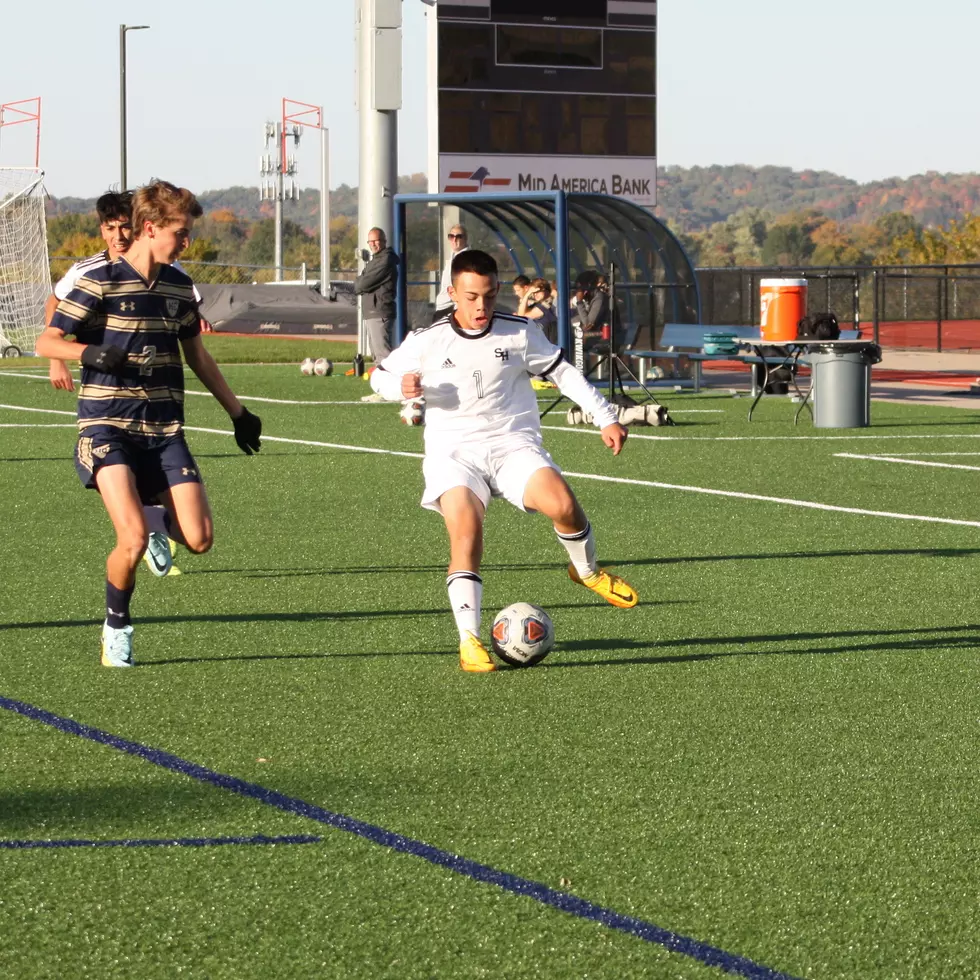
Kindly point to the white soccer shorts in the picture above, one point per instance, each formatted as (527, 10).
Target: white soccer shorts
(501, 473)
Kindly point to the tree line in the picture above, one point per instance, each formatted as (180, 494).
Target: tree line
(753, 237)
(724, 216)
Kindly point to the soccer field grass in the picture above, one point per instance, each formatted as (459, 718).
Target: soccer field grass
(767, 767)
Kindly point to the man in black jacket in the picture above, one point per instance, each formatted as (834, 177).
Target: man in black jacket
(376, 284)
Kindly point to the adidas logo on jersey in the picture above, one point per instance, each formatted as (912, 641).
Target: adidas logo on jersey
(447, 363)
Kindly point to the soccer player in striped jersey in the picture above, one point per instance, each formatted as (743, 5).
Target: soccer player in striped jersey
(116, 229)
(473, 368)
(131, 319)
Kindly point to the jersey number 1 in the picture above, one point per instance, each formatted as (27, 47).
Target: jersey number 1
(479, 383)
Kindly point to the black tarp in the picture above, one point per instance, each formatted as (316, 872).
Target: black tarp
(279, 309)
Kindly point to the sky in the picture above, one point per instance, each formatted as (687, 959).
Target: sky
(865, 88)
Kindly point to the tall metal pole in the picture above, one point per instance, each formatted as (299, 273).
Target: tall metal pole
(324, 210)
(122, 107)
(378, 101)
(122, 98)
(279, 189)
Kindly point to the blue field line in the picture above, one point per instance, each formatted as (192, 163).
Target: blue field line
(29, 845)
(647, 931)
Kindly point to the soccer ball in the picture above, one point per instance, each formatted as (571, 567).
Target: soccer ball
(307, 366)
(413, 412)
(522, 634)
(322, 367)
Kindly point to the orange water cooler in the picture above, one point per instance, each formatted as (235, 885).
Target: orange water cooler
(782, 304)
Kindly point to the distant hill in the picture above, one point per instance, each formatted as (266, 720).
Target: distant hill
(690, 198)
(694, 198)
(245, 203)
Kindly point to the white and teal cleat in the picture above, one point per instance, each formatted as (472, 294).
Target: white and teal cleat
(117, 646)
(159, 554)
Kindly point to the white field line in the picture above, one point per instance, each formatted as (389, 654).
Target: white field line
(591, 430)
(38, 425)
(909, 462)
(207, 394)
(654, 484)
(305, 401)
(43, 411)
(916, 455)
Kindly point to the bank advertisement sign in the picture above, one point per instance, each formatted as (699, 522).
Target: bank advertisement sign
(631, 178)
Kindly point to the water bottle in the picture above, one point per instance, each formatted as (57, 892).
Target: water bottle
(358, 366)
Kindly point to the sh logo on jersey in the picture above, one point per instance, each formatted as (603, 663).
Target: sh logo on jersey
(502, 353)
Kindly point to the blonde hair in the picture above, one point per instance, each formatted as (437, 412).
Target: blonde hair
(162, 203)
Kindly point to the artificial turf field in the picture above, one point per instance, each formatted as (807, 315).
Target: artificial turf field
(769, 765)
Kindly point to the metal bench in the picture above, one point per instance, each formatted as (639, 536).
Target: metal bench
(687, 340)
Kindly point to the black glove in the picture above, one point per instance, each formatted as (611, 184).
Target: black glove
(248, 428)
(104, 358)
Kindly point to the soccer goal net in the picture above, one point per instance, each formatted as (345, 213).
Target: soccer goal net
(25, 277)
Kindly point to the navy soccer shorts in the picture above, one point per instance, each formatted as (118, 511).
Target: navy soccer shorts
(157, 463)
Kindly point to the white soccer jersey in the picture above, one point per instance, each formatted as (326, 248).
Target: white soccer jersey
(67, 282)
(477, 386)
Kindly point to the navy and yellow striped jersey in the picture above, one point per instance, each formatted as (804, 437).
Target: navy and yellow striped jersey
(113, 304)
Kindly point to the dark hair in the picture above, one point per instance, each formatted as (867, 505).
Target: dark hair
(587, 280)
(521, 281)
(473, 260)
(114, 205)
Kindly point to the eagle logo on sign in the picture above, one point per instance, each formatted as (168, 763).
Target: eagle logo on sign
(173, 305)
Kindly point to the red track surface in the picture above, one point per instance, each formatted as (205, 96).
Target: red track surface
(924, 335)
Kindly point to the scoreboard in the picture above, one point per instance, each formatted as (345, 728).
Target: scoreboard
(547, 95)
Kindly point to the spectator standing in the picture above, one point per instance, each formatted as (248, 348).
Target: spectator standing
(376, 284)
(458, 242)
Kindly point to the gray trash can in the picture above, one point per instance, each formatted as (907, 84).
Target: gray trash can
(842, 385)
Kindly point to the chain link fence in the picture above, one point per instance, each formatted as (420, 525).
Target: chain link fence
(926, 307)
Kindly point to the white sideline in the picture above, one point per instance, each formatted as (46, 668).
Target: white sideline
(303, 401)
(909, 462)
(787, 501)
(591, 430)
(207, 394)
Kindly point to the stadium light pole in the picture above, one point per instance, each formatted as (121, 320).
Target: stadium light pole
(306, 114)
(122, 98)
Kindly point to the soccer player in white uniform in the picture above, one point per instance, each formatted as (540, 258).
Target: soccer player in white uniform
(473, 368)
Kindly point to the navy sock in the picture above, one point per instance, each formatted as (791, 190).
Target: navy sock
(117, 605)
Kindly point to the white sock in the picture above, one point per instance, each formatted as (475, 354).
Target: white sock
(465, 595)
(581, 550)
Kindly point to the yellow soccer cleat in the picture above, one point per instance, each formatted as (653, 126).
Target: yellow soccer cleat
(174, 570)
(474, 656)
(616, 591)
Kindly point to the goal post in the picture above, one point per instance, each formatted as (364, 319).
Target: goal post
(25, 275)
